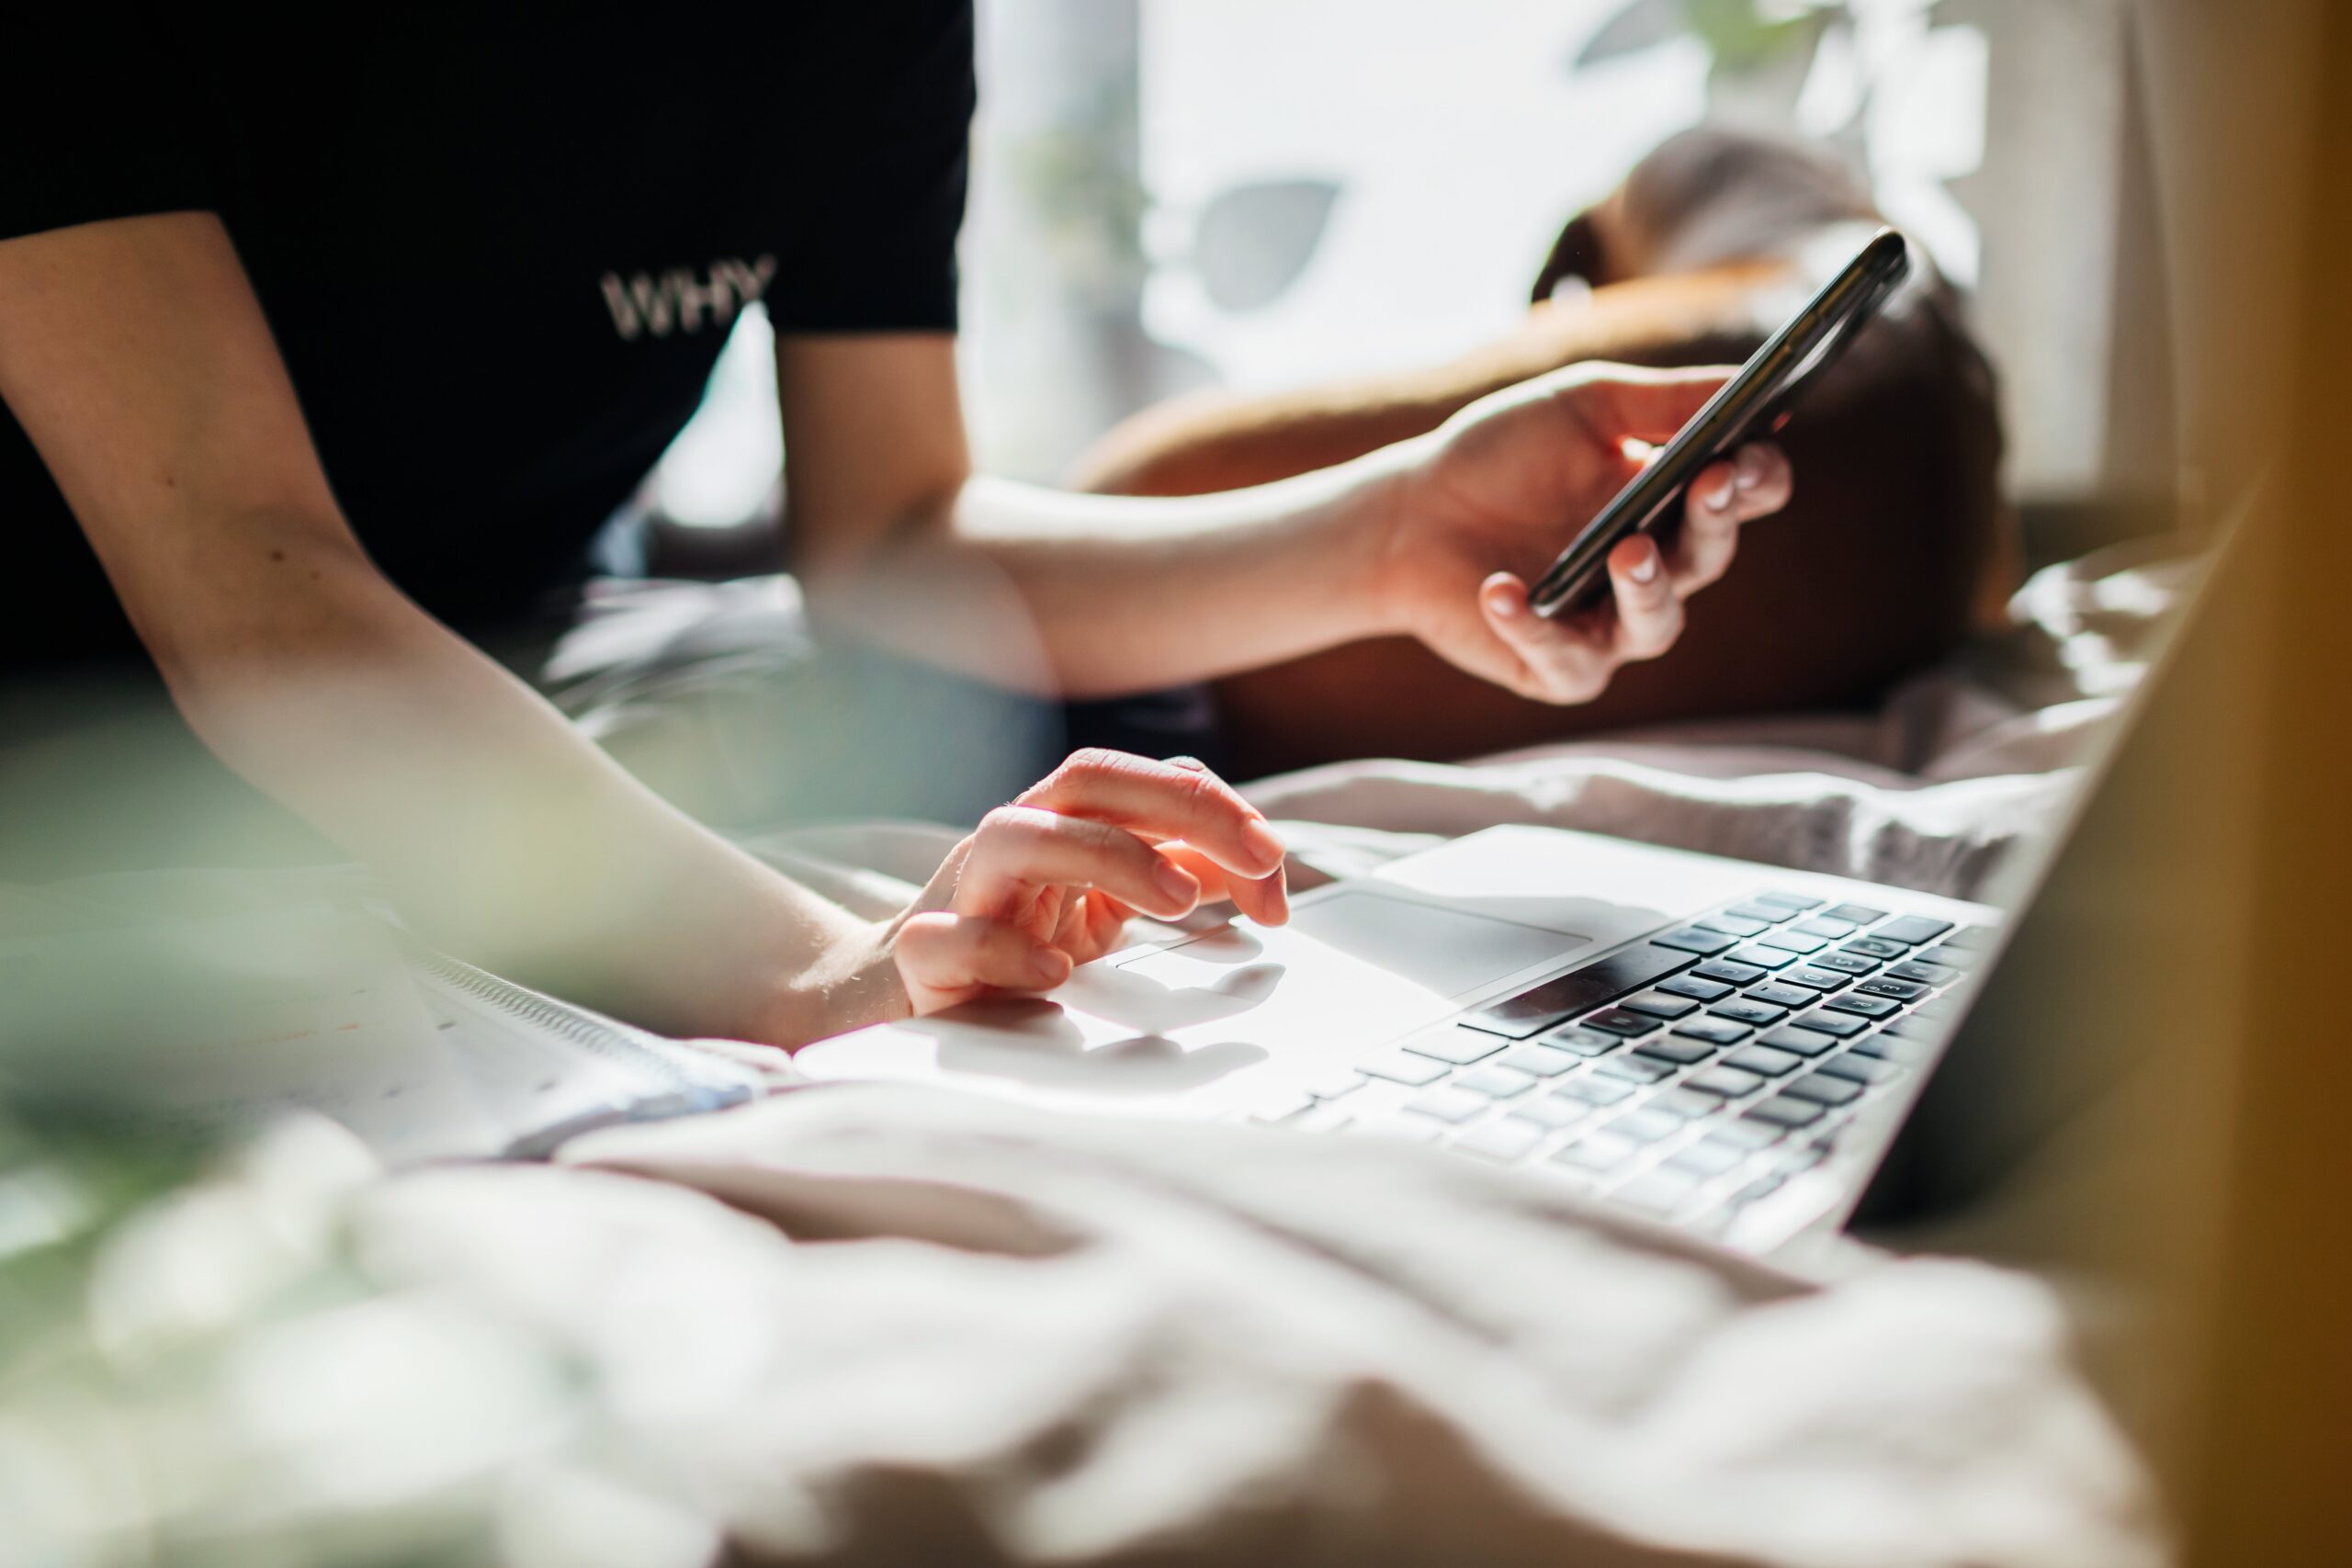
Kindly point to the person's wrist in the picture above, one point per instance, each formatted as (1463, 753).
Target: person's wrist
(853, 983)
(1374, 540)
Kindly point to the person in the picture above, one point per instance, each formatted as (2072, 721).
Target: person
(318, 375)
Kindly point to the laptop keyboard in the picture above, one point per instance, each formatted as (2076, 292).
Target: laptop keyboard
(1684, 1075)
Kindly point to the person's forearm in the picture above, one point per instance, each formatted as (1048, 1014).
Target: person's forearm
(1090, 595)
(500, 831)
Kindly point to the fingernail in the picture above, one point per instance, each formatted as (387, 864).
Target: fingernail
(1193, 763)
(1645, 570)
(1720, 499)
(1176, 883)
(1262, 842)
(1748, 472)
(1503, 605)
(1050, 965)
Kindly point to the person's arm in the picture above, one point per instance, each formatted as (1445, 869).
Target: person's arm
(1091, 596)
(136, 358)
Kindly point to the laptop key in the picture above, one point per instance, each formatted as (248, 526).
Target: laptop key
(1750, 1011)
(1837, 1025)
(1814, 979)
(1595, 1091)
(1658, 1006)
(1782, 1111)
(1504, 1142)
(1675, 1053)
(1540, 1061)
(1402, 1067)
(1770, 914)
(1448, 1104)
(1709, 1157)
(1902, 1053)
(1617, 1020)
(1912, 929)
(1645, 1125)
(1459, 1046)
(1777, 995)
(1823, 1088)
(1861, 1067)
(1747, 1133)
(1898, 989)
(1556, 1000)
(1827, 927)
(1733, 925)
(1870, 947)
(1789, 901)
(1334, 1085)
(1791, 942)
(1494, 1082)
(1922, 973)
(1726, 1082)
(1861, 1005)
(1698, 990)
(1411, 1129)
(1763, 957)
(1970, 938)
(1713, 1031)
(1768, 1060)
(1861, 914)
(1842, 963)
(1691, 939)
(1730, 973)
(1951, 958)
(1804, 1042)
(1685, 1103)
(1583, 1041)
(1550, 1110)
(1598, 1151)
(1634, 1069)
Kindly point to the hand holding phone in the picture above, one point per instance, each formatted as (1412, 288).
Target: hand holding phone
(1751, 402)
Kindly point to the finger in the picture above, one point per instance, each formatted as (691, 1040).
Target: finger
(1020, 848)
(1091, 925)
(944, 959)
(1163, 800)
(1649, 612)
(1710, 531)
(1265, 900)
(1646, 405)
(1552, 661)
(1766, 482)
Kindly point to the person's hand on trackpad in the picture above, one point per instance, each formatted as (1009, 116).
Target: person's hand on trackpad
(1048, 882)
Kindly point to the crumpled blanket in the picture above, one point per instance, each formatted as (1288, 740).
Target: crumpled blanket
(928, 1328)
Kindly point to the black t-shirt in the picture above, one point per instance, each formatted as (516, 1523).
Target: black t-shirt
(500, 247)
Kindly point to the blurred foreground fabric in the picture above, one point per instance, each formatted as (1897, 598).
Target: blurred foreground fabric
(859, 1325)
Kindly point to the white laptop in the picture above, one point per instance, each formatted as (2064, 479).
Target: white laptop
(1717, 1045)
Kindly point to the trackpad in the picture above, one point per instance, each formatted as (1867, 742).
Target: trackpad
(1444, 952)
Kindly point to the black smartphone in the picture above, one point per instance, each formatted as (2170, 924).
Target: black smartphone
(1758, 395)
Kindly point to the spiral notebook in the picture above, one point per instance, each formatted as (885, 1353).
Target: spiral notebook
(543, 1070)
(223, 1017)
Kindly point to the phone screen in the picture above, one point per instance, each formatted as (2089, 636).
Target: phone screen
(1762, 390)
